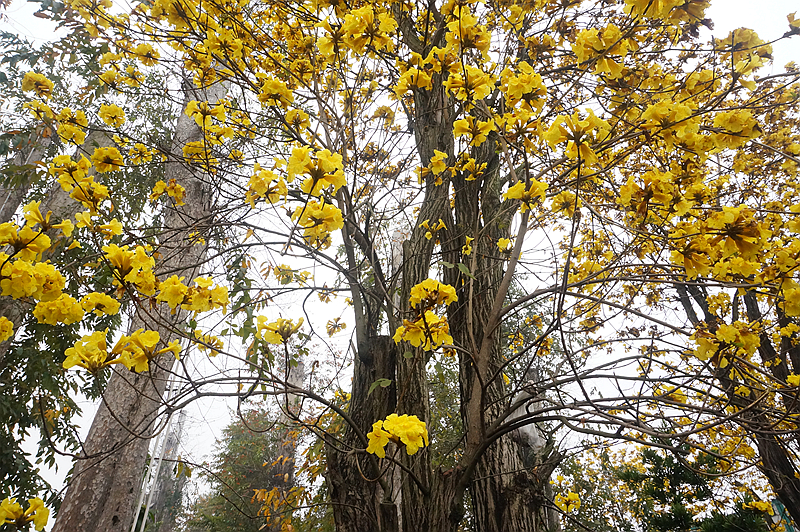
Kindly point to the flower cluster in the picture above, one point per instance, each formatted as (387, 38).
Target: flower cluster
(64, 309)
(6, 329)
(134, 352)
(11, 512)
(406, 429)
(173, 190)
(265, 184)
(431, 292)
(569, 502)
(428, 330)
(198, 298)
(318, 221)
(132, 266)
(21, 278)
(277, 332)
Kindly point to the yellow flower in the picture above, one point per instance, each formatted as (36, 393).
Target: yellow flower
(536, 189)
(565, 201)
(207, 342)
(64, 309)
(11, 512)
(431, 292)
(569, 502)
(326, 171)
(378, 438)
(89, 353)
(146, 54)
(107, 159)
(66, 226)
(361, 29)
(172, 292)
(504, 244)
(6, 329)
(474, 84)
(99, 303)
(475, 129)
(37, 83)
(408, 429)
(136, 350)
(466, 249)
(265, 184)
(429, 332)
(277, 332)
(39, 110)
(318, 220)
(33, 215)
(760, 506)
(274, 92)
(438, 162)
(112, 115)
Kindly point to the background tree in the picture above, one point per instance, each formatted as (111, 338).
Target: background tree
(243, 463)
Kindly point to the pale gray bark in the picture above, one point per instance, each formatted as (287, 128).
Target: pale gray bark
(12, 194)
(105, 483)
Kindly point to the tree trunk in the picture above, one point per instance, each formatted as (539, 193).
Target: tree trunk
(16, 186)
(358, 500)
(105, 483)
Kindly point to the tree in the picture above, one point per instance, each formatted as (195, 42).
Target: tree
(423, 158)
(242, 464)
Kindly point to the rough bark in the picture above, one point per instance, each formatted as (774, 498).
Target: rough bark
(358, 500)
(105, 483)
(23, 169)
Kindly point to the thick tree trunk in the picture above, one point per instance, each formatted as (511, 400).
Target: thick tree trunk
(781, 471)
(359, 502)
(105, 483)
(17, 185)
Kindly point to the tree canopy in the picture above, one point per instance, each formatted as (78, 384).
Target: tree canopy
(489, 231)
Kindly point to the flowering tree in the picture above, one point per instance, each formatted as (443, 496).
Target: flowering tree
(428, 161)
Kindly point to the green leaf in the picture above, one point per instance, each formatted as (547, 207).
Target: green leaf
(463, 269)
(446, 264)
(383, 383)
(408, 354)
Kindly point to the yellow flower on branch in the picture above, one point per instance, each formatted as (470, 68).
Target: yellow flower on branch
(430, 293)
(528, 195)
(378, 438)
(277, 332)
(64, 309)
(99, 303)
(37, 83)
(89, 353)
(318, 221)
(107, 159)
(112, 115)
(11, 512)
(569, 502)
(6, 329)
(405, 429)
(429, 332)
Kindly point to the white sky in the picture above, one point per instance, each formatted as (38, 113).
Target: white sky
(205, 421)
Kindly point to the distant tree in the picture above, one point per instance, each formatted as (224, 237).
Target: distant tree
(242, 463)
